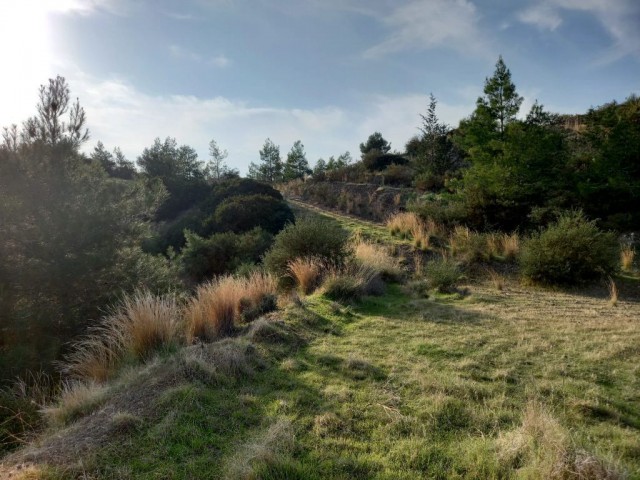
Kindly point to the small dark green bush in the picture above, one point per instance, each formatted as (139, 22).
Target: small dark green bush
(203, 258)
(572, 250)
(245, 212)
(308, 237)
(443, 274)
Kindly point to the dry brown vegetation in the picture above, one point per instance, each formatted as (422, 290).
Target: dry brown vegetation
(215, 308)
(307, 273)
(627, 256)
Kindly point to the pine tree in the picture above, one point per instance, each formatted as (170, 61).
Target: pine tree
(270, 167)
(296, 165)
(501, 98)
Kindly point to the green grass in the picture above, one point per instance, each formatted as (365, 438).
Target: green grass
(509, 383)
(399, 387)
(367, 230)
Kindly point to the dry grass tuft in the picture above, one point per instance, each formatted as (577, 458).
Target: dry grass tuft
(402, 224)
(510, 245)
(211, 313)
(265, 450)
(497, 280)
(217, 305)
(76, 400)
(352, 282)
(613, 292)
(541, 448)
(307, 273)
(140, 325)
(145, 323)
(627, 256)
(421, 238)
(378, 257)
(468, 246)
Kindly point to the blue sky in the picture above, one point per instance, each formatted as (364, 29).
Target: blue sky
(327, 72)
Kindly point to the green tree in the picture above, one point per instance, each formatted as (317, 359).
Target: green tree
(69, 243)
(501, 99)
(48, 126)
(375, 142)
(270, 167)
(180, 171)
(217, 167)
(296, 165)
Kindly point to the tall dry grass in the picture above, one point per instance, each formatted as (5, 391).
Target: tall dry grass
(420, 237)
(627, 256)
(468, 246)
(307, 273)
(216, 306)
(510, 243)
(140, 325)
(378, 257)
(75, 400)
(403, 223)
(542, 449)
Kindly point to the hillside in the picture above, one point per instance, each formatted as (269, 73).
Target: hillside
(492, 380)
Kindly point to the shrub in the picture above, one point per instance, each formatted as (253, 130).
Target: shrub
(243, 213)
(307, 273)
(571, 250)
(308, 237)
(443, 274)
(398, 175)
(221, 253)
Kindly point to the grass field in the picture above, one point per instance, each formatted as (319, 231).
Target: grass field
(516, 382)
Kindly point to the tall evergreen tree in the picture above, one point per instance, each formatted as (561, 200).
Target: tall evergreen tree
(501, 98)
(270, 167)
(296, 165)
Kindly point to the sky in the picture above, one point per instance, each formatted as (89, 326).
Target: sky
(326, 72)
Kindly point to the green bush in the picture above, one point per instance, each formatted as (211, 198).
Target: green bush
(245, 212)
(571, 250)
(308, 237)
(443, 274)
(203, 258)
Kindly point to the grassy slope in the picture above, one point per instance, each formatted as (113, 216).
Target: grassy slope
(399, 387)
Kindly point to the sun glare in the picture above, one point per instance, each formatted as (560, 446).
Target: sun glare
(27, 39)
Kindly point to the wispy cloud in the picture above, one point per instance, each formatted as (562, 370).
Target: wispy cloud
(426, 24)
(119, 114)
(620, 18)
(219, 61)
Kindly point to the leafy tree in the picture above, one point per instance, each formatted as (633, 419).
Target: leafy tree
(375, 142)
(296, 165)
(270, 168)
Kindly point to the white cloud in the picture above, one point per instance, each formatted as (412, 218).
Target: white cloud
(425, 24)
(121, 115)
(620, 18)
(219, 61)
